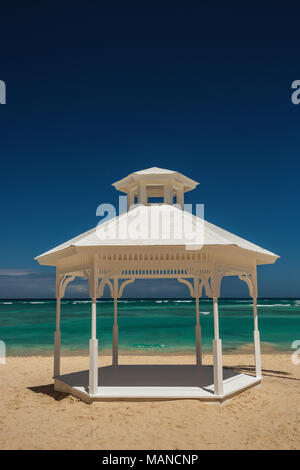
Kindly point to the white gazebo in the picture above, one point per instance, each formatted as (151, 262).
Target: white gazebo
(156, 238)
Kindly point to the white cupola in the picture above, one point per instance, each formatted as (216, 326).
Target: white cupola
(155, 186)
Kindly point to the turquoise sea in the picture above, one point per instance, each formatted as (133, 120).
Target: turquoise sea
(147, 326)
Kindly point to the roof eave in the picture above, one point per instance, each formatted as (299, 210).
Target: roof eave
(51, 259)
(188, 183)
(261, 258)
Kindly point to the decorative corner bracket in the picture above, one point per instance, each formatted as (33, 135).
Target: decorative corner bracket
(116, 291)
(62, 280)
(195, 288)
(251, 281)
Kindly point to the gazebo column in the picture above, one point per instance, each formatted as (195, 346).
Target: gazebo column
(198, 335)
(217, 351)
(93, 366)
(115, 334)
(142, 193)
(195, 292)
(251, 281)
(93, 370)
(116, 293)
(62, 280)
(168, 193)
(56, 371)
(130, 198)
(256, 340)
(180, 198)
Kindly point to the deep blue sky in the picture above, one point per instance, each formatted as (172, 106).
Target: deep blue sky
(96, 91)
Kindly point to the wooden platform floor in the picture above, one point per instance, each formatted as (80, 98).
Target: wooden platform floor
(154, 382)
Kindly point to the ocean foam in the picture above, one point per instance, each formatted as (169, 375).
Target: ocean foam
(274, 305)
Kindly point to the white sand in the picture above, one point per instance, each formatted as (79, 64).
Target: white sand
(33, 416)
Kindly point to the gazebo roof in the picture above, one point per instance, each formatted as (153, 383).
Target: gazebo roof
(210, 234)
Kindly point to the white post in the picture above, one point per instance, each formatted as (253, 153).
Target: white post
(180, 198)
(198, 335)
(142, 194)
(130, 199)
(168, 194)
(256, 340)
(93, 370)
(56, 371)
(217, 352)
(115, 334)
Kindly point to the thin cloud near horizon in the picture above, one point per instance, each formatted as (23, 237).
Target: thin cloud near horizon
(21, 283)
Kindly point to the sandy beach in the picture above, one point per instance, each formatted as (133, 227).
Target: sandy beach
(33, 416)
